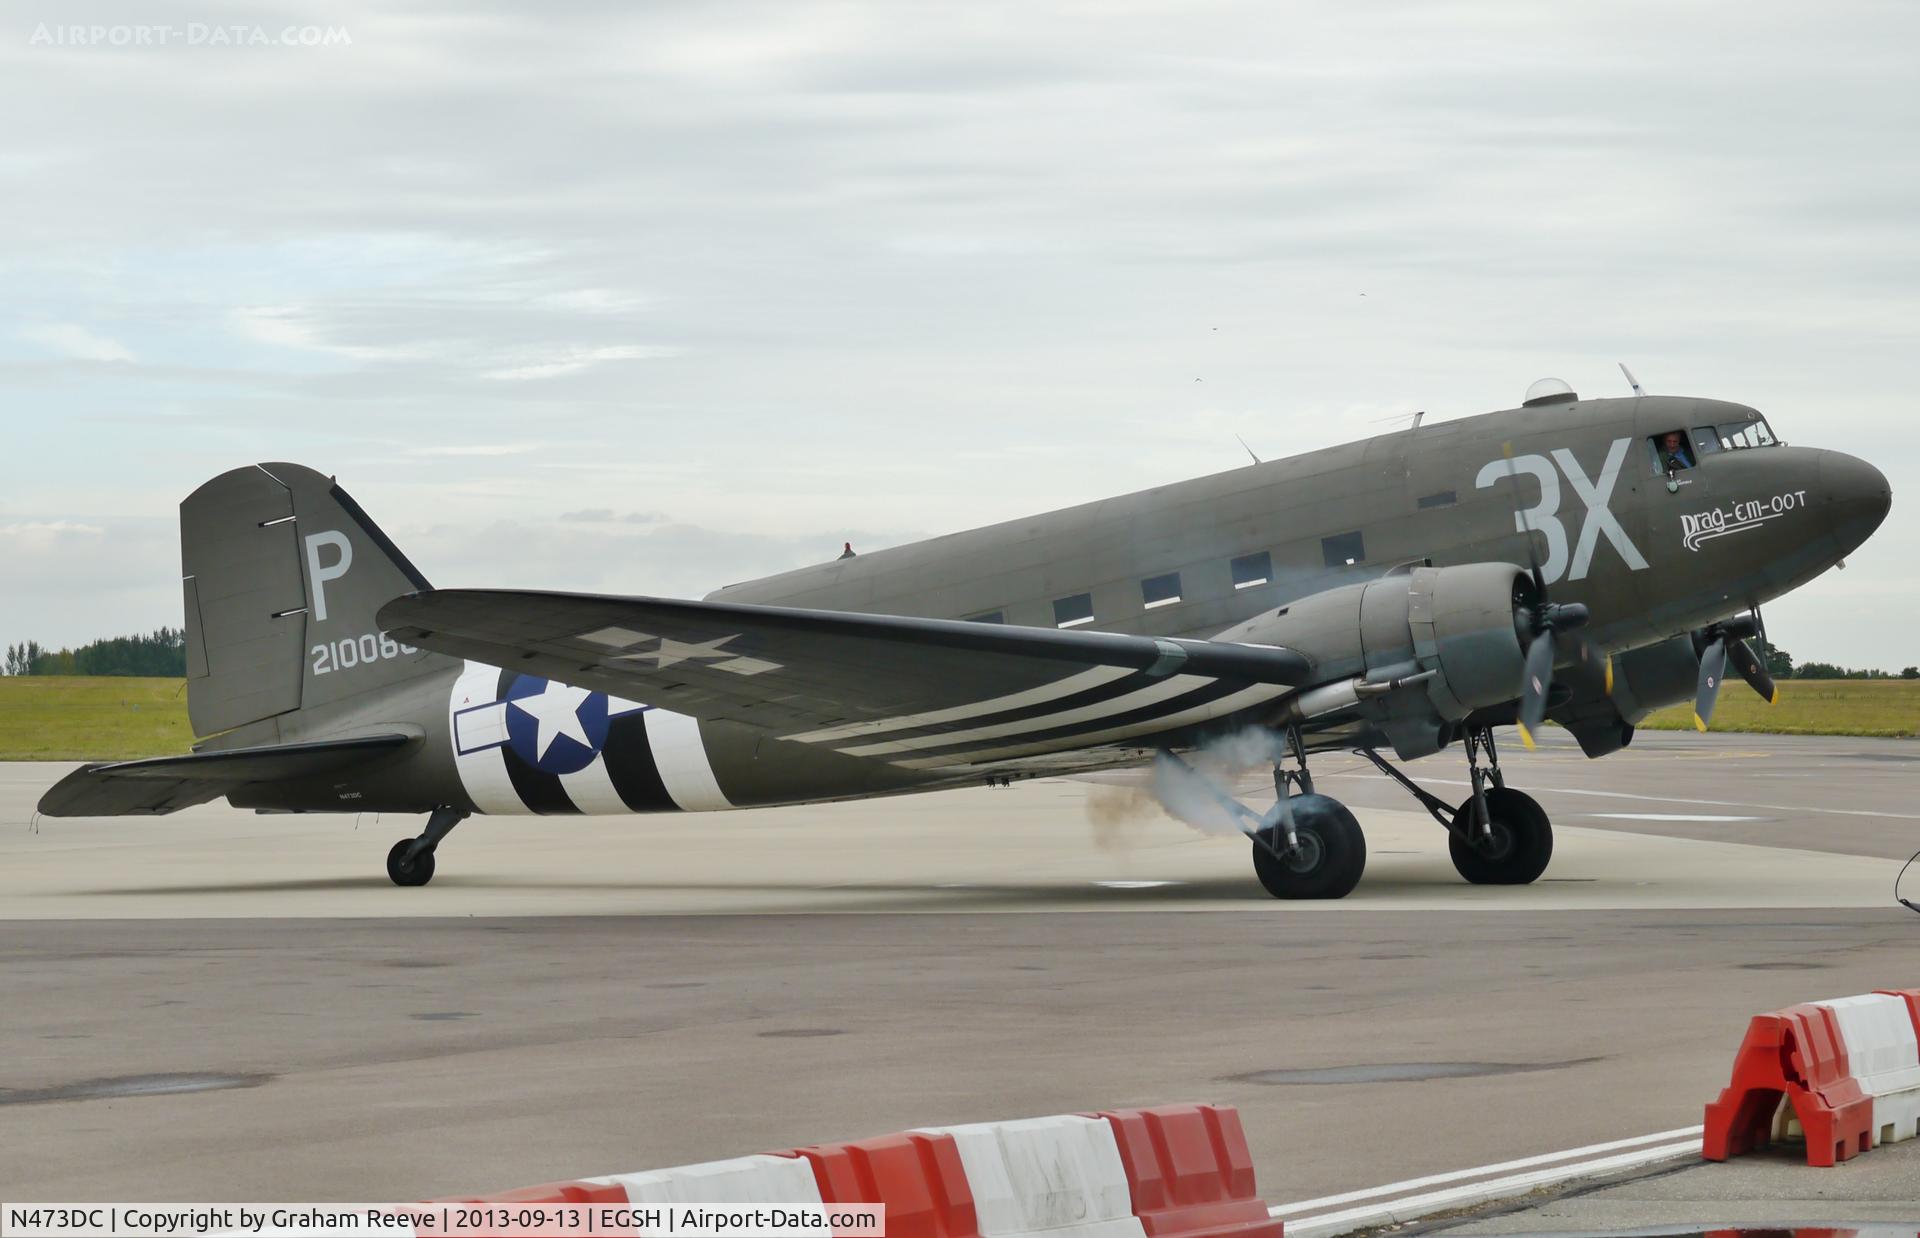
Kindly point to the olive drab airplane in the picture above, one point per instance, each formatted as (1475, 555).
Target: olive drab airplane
(1585, 561)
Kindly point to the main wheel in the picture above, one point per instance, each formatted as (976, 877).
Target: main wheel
(1517, 849)
(1329, 860)
(415, 872)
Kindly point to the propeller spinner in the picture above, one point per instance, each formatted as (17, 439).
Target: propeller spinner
(1539, 621)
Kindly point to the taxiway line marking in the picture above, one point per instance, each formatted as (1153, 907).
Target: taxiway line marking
(1669, 816)
(1526, 1162)
(1414, 1207)
(1665, 799)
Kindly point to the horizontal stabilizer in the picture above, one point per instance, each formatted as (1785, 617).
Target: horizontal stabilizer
(166, 784)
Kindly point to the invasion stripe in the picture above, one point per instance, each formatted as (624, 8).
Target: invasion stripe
(1216, 708)
(592, 790)
(1105, 692)
(481, 771)
(681, 753)
(1031, 696)
(1099, 711)
(629, 759)
(1148, 715)
(540, 791)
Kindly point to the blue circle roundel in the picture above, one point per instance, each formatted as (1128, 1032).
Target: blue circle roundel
(554, 727)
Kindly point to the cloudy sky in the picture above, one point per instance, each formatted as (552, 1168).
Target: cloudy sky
(653, 297)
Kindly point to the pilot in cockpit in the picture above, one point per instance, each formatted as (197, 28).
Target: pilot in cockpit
(1674, 453)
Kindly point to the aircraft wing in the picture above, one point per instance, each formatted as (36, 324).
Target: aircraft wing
(808, 673)
(166, 784)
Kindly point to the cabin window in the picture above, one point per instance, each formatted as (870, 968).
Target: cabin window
(1343, 549)
(1160, 590)
(1251, 570)
(1074, 611)
(992, 616)
(1445, 498)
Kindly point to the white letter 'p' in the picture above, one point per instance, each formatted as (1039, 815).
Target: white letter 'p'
(319, 576)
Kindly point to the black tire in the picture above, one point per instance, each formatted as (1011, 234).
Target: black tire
(1332, 854)
(1521, 845)
(404, 872)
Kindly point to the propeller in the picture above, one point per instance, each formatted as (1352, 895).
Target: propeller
(1718, 644)
(1537, 619)
(1543, 620)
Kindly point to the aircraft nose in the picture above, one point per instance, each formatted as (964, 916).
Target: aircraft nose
(1858, 494)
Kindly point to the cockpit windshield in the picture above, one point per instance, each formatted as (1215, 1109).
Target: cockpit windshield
(1741, 434)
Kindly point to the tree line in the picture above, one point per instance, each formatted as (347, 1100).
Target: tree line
(162, 652)
(1780, 665)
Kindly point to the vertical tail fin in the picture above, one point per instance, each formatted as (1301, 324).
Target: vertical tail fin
(282, 576)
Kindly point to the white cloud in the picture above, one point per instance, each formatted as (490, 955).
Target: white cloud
(78, 342)
(572, 360)
(43, 529)
(292, 326)
(475, 449)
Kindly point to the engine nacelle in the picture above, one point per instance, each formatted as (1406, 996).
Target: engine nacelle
(1644, 680)
(1456, 622)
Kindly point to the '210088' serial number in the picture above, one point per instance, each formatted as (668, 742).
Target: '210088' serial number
(351, 651)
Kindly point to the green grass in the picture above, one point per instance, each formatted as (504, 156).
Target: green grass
(87, 718)
(1888, 707)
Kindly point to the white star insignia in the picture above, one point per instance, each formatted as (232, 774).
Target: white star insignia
(672, 652)
(557, 710)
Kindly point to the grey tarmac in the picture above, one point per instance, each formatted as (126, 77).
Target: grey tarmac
(219, 1005)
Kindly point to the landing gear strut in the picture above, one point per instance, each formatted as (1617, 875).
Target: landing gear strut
(410, 863)
(1307, 845)
(1497, 835)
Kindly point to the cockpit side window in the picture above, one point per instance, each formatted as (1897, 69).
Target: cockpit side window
(1671, 451)
(1706, 441)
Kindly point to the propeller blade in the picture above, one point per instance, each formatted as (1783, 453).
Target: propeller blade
(1713, 662)
(1750, 668)
(1539, 681)
(1587, 657)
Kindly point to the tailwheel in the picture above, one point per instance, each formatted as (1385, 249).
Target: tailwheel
(406, 869)
(410, 863)
(1327, 858)
(1513, 850)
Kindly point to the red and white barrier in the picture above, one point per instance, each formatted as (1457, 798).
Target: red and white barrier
(1057, 1176)
(743, 1180)
(1175, 1171)
(1844, 1074)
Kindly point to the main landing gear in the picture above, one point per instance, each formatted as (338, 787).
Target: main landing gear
(1307, 845)
(410, 863)
(1497, 836)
